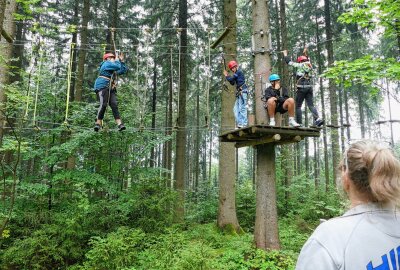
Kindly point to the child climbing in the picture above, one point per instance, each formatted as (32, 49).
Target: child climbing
(240, 108)
(304, 86)
(105, 88)
(277, 100)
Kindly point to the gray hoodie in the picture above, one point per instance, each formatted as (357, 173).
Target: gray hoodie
(367, 237)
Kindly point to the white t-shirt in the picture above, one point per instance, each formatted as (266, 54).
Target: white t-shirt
(367, 237)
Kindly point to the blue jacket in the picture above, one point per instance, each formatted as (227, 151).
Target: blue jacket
(106, 69)
(238, 79)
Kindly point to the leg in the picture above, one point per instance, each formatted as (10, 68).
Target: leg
(289, 106)
(310, 103)
(114, 106)
(103, 97)
(243, 109)
(271, 106)
(300, 95)
(236, 111)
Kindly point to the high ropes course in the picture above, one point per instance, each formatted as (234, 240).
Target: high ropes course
(149, 34)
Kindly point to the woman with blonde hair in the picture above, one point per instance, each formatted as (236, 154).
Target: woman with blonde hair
(367, 236)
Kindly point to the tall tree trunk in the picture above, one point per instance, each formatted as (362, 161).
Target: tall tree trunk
(112, 23)
(153, 112)
(197, 135)
(82, 51)
(74, 40)
(266, 226)
(332, 91)
(227, 207)
(169, 131)
(286, 149)
(284, 35)
(342, 139)
(3, 4)
(346, 108)
(360, 100)
(6, 53)
(181, 132)
(321, 88)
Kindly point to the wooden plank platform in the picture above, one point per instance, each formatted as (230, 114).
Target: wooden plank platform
(258, 134)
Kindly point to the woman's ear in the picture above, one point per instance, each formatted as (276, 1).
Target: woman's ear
(345, 181)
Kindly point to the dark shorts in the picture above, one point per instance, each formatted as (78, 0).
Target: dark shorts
(279, 107)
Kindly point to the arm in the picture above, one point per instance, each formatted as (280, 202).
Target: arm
(111, 66)
(123, 69)
(289, 61)
(269, 93)
(285, 92)
(231, 79)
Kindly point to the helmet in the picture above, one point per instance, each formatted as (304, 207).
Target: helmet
(274, 77)
(232, 64)
(108, 55)
(302, 58)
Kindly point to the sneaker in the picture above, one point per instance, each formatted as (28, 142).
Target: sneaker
(319, 122)
(293, 123)
(272, 122)
(121, 127)
(97, 127)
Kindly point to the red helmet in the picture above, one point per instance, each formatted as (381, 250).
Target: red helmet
(232, 64)
(108, 55)
(302, 58)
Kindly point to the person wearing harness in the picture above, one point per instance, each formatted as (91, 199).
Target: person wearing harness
(240, 108)
(368, 235)
(277, 100)
(105, 88)
(304, 86)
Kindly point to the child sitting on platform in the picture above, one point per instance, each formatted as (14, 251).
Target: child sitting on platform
(278, 100)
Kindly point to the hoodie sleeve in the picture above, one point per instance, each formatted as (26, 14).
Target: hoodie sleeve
(231, 79)
(291, 63)
(269, 93)
(111, 66)
(123, 69)
(285, 92)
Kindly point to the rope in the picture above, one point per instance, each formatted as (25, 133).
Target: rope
(69, 76)
(37, 88)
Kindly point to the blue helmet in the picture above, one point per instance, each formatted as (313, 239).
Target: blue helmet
(274, 77)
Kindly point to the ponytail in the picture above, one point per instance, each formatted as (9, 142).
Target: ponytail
(374, 170)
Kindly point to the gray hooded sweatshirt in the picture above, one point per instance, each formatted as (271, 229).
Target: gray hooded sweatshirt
(367, 237)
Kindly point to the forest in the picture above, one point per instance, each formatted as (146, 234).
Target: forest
(169, 192)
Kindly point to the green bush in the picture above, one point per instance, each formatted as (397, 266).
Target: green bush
(118, 250)
(44, 249)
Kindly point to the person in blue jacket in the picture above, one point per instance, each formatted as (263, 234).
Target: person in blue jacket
(105, 88)
(240, 108)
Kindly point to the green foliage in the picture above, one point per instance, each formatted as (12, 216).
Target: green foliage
(307, 202)
(372, 14)
(198, 247)
(365, 70)
(246, 206)
(118, 250)
(51, 247)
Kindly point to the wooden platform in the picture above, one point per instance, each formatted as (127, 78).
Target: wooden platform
(255, 135)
